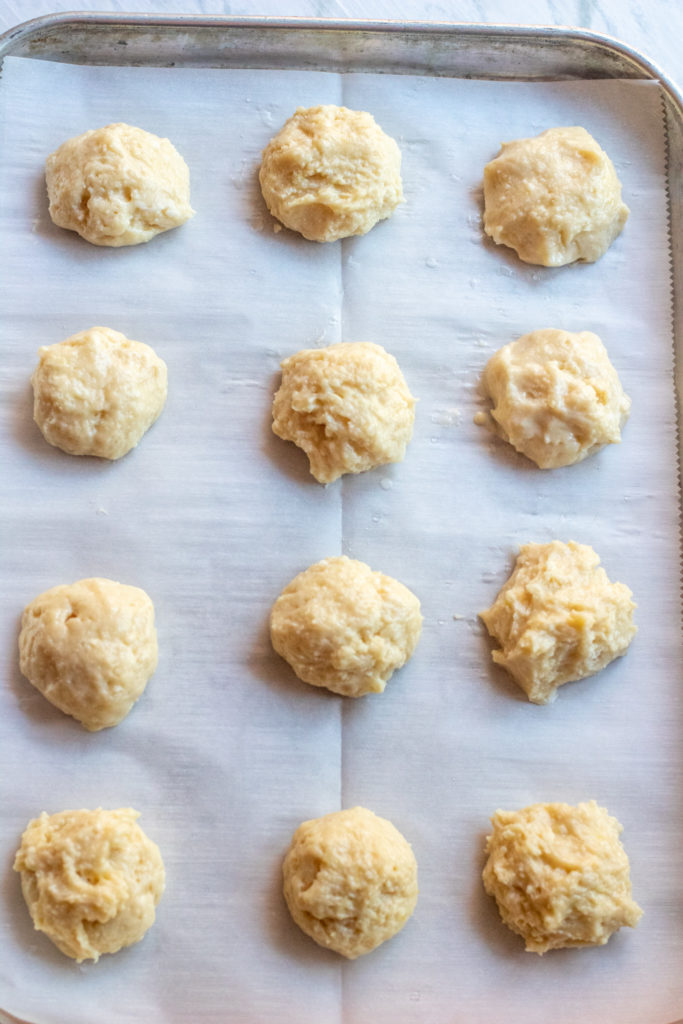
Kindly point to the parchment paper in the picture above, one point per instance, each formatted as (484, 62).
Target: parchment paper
(227, 752)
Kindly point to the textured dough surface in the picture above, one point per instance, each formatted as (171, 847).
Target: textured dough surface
(560, 875)
(558, 618)
(91, 879)
(350, 880)
(331, 172)
(347, 406)
(554, 199)
(556, 396)
(89, 647)
(344, 627)
(98, 392)
(118, 185)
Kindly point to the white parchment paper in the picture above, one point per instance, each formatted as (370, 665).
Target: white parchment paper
(227, 752)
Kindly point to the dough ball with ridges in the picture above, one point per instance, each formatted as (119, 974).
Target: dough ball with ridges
(91, 879)
(344, 627)
(118, 185)
(350, 880)
(347, 406)
(559, 618)
(556, 396)
(560, 875)
(98, 392)
(554, 198)
(90, 647)
(331, 172)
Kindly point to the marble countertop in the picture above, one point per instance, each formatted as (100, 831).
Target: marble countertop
(654, 27)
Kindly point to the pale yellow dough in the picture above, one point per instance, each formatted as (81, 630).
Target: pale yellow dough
(344, 627)
(118, 185)
(350, 880)
(556, 396)
(90, 647)
(98, 392)
(558, 618)
(91, 879)
(347, 406)
(554, 199)
(560, 875)
(331, 172)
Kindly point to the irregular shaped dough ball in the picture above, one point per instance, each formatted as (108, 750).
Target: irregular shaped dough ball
(347, 406)
(91, 879)
(554, 198)
(560, 875)
(556, 396)
(342, 626)
(90, 647)
(331, 172)
(98, 392)
(350, 880)
(118, 185)
(558, 618)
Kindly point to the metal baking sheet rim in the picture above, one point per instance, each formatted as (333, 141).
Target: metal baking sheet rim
(392, 47)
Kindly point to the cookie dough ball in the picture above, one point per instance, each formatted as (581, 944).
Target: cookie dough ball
(558, 618)
(97, 392)
(118, 185)
(347, 406)
(556, 396)
(331, 172)
(560, 875)
(350, 880)
(91, 879)
(342, 626)
(89, 647)
(553, 199)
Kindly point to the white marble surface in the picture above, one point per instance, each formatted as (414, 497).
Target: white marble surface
(655, 27)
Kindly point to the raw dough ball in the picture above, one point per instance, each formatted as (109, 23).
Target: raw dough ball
(345, 627)
(118, 185)
(331, 172)
(558, 618)
(560, 875)
(350, 880)
(556, 396)
(347, 406)
(553, 199)
(91, 879)
(89, 647)
(97, 392)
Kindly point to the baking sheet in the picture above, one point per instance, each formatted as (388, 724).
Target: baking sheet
(227, 752)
